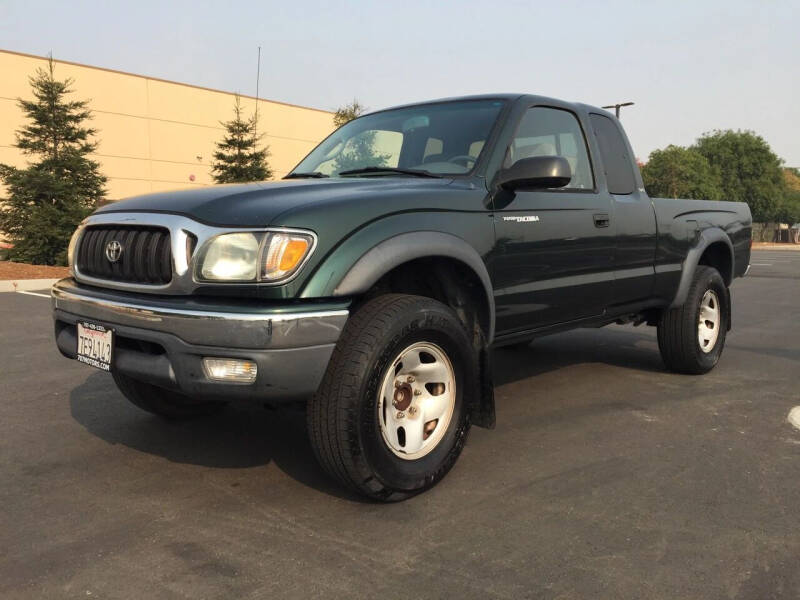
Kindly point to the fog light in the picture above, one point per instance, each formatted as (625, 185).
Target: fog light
(230, 369)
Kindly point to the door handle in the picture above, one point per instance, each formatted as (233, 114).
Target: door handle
(602, 220)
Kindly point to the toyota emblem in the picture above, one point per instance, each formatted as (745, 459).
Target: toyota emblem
(113, 251)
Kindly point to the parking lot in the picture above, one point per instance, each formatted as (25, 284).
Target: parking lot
(607, 477)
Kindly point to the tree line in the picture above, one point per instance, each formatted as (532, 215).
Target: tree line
(61, 184)
(738, 166)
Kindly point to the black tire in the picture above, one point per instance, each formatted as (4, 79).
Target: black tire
(678, 327)
(164, 403)
(343, 415)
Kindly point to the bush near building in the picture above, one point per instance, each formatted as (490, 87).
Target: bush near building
(348, 112)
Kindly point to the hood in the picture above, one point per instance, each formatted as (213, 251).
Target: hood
(261, 204)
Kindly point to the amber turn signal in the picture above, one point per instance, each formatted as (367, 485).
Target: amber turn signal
(293, 253)
(283, 254)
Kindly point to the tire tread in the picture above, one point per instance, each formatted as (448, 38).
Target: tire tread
(332, 414)
(677, 330)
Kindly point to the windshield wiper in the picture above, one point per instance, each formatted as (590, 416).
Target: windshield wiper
(390, 170)
(310, 175)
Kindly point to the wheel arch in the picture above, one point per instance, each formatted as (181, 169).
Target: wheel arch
(452, 262)
(713, 249)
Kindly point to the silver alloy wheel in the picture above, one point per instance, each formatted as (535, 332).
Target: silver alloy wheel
(416, 400)
(708, 321)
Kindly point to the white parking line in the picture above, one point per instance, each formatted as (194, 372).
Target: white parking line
(760, 264)
(794, 416)
(35, 294)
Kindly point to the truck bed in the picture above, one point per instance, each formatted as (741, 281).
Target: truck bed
(681, 221)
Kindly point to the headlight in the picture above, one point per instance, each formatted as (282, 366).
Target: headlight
(270, 256)
(231, 257)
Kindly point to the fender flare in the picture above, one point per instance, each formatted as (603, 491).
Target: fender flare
(401, 248)
(705, 239)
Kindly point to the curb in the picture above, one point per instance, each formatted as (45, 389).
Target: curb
(23, 285)
(768, 246)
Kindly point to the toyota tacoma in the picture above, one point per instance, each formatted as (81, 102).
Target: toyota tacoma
(374, 280)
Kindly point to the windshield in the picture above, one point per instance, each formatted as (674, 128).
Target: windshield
(443, 139)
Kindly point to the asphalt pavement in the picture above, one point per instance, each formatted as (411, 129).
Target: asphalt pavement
(607, 477)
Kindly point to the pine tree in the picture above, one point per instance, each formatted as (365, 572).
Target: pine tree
(238, 158)
(61, 184)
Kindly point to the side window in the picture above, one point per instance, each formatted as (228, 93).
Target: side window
(547, 131)
(614, 152)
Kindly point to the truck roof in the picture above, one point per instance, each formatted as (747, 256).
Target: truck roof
(513, 97)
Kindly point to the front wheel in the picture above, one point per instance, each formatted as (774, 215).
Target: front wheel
(391, 415)
(691, 337)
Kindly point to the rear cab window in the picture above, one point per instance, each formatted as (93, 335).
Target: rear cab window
(614, 154)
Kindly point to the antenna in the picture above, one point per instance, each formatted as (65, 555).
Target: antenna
(258, 77)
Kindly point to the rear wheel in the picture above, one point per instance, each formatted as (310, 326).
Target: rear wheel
(390, 417)
(164, 403)
(691, 337)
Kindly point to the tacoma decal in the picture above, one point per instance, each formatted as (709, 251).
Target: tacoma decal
(526, 219)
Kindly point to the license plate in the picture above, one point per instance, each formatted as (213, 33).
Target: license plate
(95, 345)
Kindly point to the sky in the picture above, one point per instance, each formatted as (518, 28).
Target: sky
(690, 67)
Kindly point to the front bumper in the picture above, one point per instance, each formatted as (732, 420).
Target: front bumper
(163, 340)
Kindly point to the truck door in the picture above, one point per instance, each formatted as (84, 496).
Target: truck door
(555, 247)
(633, 217)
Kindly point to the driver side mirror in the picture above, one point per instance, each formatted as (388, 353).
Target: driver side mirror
(536, 172)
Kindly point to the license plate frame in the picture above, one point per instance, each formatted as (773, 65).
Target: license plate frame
(95, 345)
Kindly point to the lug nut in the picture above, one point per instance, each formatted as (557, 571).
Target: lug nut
(412, 410)
(396, 383)
(400, 414)
(410, 379)
(417, 392)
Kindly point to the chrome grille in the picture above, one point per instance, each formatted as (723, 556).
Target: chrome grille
(145, 258)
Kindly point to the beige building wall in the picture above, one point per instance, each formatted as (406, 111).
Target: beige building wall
(153, 134)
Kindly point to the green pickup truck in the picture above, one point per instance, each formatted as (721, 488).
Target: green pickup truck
(373, 281)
